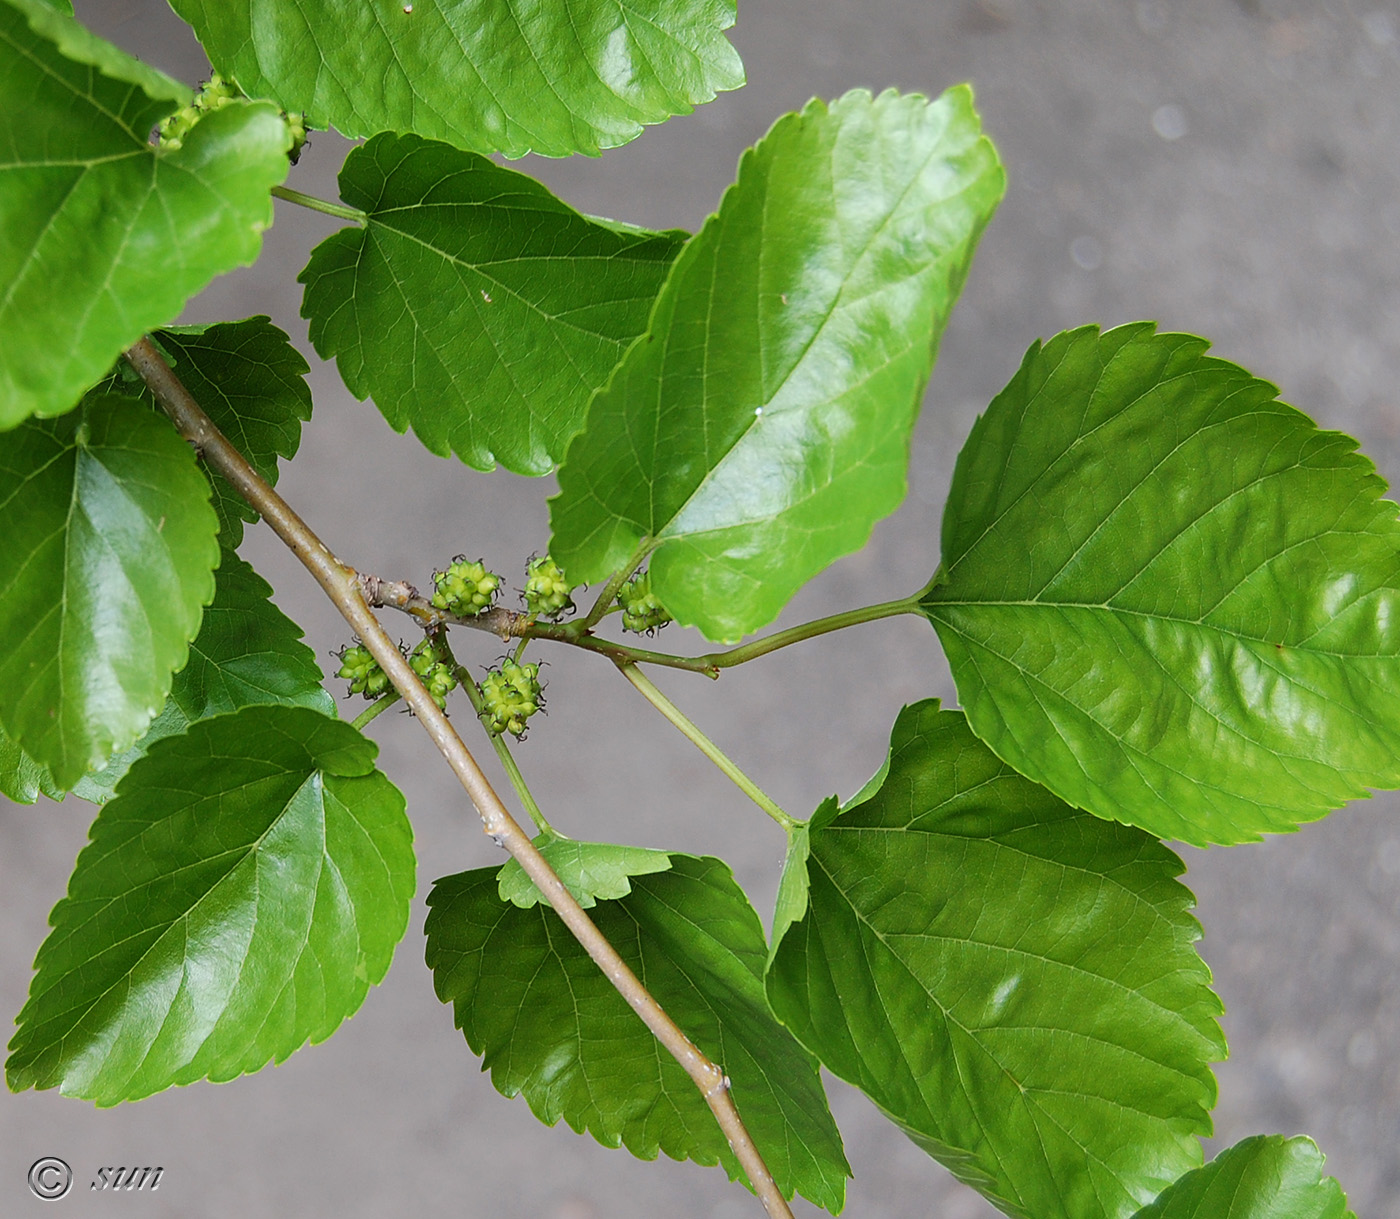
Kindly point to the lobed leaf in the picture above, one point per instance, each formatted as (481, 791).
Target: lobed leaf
(237, 899)
(761, 426)
(85, 201)
(473, 305)
(1169, 597)
(1264, 1177)
(251, 382)
(549, 1024)
(107, 550)
(1013, 982)
(555, 77)
(247, 653)
(589, 870)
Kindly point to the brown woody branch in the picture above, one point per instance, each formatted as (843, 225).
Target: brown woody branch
(352, 595)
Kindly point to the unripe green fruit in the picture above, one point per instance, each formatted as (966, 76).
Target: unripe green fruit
(466, 588)
(214, 95)
(296, 124)
(363, 672)
(641, 610)
(437, 677)
(510, 695)
(546, 589)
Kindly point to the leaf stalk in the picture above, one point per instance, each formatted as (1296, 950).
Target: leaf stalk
(339, 210)
(706, 746)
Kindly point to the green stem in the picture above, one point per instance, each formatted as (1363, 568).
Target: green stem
(376, 709)
(712, 663)
(706, 746)
(338, 210)
(810, 630)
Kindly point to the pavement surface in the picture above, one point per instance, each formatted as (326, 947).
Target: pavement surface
(1228, 168)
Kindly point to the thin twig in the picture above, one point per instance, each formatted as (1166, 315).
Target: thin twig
(341, 585)
(510, 624)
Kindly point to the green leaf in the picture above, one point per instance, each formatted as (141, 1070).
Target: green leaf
(558, 77)
(1264, 1177)
(1169, 597)
(1014, 982)
(251, 382)
(22, 779)
(473, 305)
(761, 427)
(550, 1025)
(247, 652)
(85, 202)
(589, 870)
(236, 900)
(107, 551)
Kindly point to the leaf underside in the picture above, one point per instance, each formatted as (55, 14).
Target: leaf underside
(474, 306)
(555, 77)
(550, 1025)
(1014, 982)
(1264, 1177)
(236, 901)
(1169, 597)
(87, 203)
(107, 551)
(761, 426)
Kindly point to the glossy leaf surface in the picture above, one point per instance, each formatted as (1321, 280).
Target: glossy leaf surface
(247, 652)
(236, 900)
(474, 306)
(1264, 1177)
(555, 77)
(87, 203)
(762, 426)
(251, 382)
(1014, 982)
(1169, 597)
(107, 550)
(589, 870)
(550, 1025)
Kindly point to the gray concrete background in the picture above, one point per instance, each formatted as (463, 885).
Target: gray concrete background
(1228, 168)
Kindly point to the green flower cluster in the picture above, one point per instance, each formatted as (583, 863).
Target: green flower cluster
(362, 671)
(465, 588)
(215, 95)
(641, 611)
(437, 676)
(546, 589)
(510, 695)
